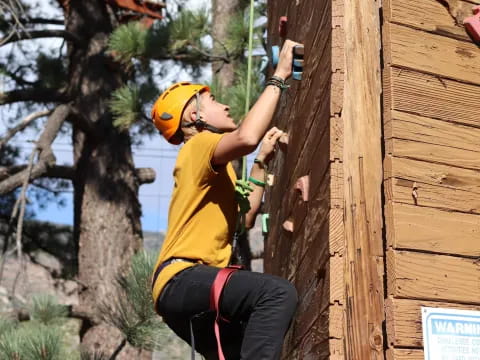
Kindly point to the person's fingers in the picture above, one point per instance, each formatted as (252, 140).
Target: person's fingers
(277, 136)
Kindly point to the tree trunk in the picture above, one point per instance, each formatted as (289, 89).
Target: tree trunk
(107, 225)
(223, 11)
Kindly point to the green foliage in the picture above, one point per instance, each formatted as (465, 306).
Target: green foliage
(125, 106)
(235, 96)
(128, 41)
(32, 341)
(132, 310)
(36, 339)
(41, 343)
(127, 103)
(86, 355)
(188, 29)
(6, 325)
(46, 310)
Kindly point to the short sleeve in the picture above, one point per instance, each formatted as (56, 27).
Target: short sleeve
(200, 152)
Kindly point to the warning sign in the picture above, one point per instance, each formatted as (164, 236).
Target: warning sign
(450, 334)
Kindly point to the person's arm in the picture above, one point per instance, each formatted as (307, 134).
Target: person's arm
(245, 139)
(258, 173)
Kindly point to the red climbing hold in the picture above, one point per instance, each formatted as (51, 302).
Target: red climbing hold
(472, 24)
(282, 27)
(302, 185)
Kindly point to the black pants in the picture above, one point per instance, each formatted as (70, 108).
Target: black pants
(259, 308)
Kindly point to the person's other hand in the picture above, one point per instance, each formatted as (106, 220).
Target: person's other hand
(267, 148)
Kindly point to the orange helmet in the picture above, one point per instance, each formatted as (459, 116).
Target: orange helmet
(168, 109)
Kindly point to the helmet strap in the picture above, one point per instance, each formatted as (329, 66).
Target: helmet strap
(199, 123)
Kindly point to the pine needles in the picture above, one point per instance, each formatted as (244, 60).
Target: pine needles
(37, 339)
(128, 41)
(132, 311)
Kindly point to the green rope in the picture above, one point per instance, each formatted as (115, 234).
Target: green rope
(242, 187)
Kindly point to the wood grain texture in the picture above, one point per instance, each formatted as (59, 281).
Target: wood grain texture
(422, 228)
(362, 161)
(434, 97)
(433, 277)
(405, 354)
(337, 349)
(336, 232)
(337, 279)
(336, 138)
(429, 15)
(404, 320)
(444, 176)
(424, 138)
(434, 54)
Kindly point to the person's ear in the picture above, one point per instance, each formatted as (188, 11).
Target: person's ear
(193, 115)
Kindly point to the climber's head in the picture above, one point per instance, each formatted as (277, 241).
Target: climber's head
(184, 109)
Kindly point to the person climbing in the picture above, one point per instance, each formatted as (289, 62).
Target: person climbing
(256, 308)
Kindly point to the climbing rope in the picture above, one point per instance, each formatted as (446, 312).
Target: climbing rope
(243, 188)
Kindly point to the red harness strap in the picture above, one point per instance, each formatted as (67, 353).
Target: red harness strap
(215, 293)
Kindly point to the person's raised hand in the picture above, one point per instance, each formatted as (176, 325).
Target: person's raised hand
(285, 60)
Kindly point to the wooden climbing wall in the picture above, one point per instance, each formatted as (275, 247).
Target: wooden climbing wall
(309, 254)
(432, 165)
(374, 243)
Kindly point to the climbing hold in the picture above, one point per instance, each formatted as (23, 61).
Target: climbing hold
(297, 63)
(282, 27)
(288, 226)
(265, 223)
(270, 179)
(298, 52)
(472, 24)
(302, 185)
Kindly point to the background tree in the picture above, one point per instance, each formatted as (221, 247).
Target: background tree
(97, 87)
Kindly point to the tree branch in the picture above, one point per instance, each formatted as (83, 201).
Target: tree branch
(33, 94)
(22, 125)
(39, 34)
(145, 175)
(42, 21)
(15, 77)
(46, 159)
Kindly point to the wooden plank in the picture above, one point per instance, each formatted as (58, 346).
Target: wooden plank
(337, 279)
(336, 232)
(404, 320)
(434, 54)
(336, 138)
(429, 15)
(336, 185)
(424, 138)
(414, 193)
(362, 159)
(421, 128)
(433, 277)
(434, 97)
(337, 349)
(405, 354)
(433, 185)
(336, 321)
(421, 228)
(433, 153)
(444, 176)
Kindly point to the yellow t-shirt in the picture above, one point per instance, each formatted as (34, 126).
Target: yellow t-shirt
(202, 214)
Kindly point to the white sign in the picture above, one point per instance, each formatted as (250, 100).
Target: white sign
(450, 334)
